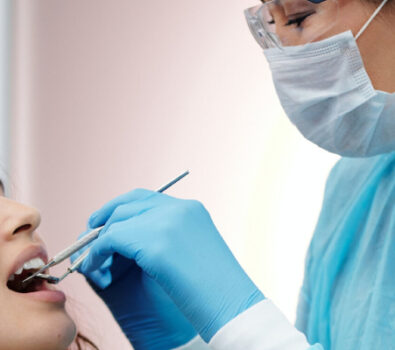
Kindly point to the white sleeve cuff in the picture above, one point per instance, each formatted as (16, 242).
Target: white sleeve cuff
(261, 327)
(196, 343)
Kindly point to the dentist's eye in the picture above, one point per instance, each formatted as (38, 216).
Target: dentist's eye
(299, 20)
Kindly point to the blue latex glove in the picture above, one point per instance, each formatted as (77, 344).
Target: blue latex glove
(146, 314)
(176, 244)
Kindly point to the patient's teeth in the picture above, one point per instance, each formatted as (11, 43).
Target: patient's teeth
(33, 264)
(12, 277)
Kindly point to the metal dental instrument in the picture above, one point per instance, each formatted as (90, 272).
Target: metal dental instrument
(55, 280)
(82, 242)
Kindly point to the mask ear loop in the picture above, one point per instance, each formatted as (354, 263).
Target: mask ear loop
(375, 13)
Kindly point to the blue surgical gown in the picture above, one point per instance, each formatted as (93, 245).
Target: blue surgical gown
(347, 301)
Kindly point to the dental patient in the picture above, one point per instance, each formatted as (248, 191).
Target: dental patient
(33, 317)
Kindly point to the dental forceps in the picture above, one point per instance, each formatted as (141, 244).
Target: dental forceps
(81, 243)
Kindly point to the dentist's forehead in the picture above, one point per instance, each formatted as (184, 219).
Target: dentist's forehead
(290, 2)
(292, 5)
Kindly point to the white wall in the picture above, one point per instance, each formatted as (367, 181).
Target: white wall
(112, 95)
(5, 87)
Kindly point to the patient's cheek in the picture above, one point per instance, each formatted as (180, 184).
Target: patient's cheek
(41, 325)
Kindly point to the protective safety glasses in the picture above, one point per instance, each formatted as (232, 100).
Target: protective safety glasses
(279, 23)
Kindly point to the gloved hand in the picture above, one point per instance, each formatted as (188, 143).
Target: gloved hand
(146, 314)
(176, 244)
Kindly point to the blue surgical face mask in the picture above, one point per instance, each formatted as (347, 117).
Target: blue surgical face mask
(327, 93)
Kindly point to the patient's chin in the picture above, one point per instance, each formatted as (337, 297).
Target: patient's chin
(55, 332)
(61, 332)
(38, 331)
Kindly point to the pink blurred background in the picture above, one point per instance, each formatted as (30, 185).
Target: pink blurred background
(112, 95)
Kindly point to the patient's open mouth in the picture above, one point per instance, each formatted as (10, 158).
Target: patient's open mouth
(26, 264)
(29, 267)
(15, 282)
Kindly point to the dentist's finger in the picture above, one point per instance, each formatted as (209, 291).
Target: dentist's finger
(121, 238)
(139, 207)
(99, 217)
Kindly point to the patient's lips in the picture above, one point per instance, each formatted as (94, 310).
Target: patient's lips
(28, 262)
(31, 252)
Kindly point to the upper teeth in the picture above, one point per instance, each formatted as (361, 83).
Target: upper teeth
(34, 263)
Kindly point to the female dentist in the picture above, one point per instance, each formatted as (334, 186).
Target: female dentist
(169, 278)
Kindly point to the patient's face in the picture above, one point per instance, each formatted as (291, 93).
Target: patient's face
(35, 319)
